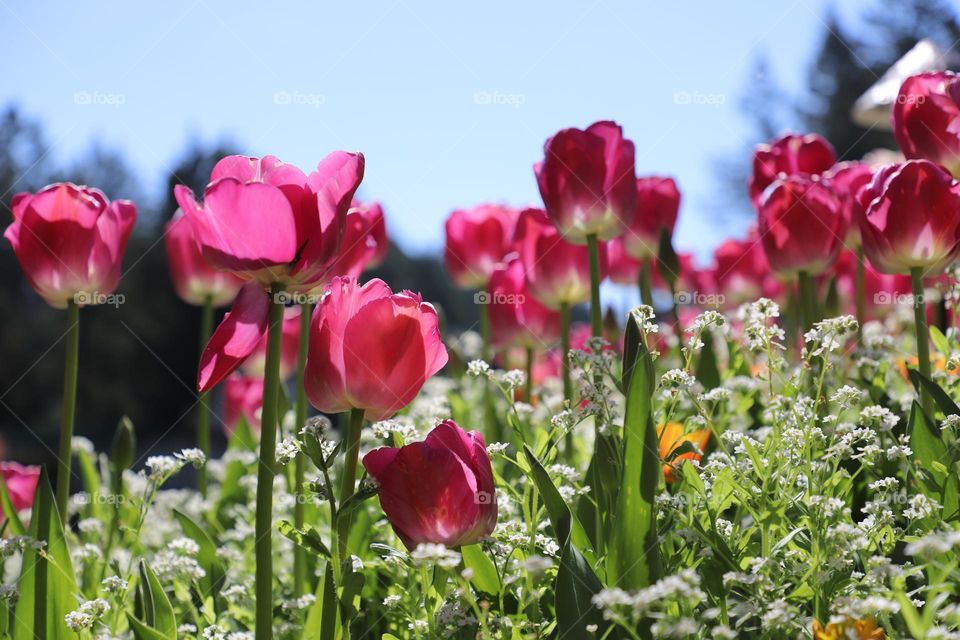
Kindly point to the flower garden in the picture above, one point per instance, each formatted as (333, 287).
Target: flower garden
(767, 447)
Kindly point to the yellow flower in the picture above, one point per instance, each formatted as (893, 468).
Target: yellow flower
(849, 629)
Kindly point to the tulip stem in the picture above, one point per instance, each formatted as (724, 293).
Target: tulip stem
(348, 483)
(646, 288)
(266, 471)
(808, 299)
(565, 350)
(596, 321)
(923, 344)
(299, 472)
(203, 420)
(861, 289)
(528, 390)
(65, 453)
(489, 413)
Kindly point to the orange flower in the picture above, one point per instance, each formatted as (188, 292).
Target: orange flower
(938, 362)
(865, 629)
(672, 437)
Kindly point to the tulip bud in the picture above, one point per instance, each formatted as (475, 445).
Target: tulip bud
(194, 279)
(21, 482)
(789, 155)
(123, 449)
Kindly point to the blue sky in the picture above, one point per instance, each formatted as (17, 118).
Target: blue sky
(450, 102)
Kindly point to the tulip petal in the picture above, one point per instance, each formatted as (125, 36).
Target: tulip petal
(236, 337)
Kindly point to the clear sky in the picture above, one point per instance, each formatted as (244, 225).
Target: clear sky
(449, 101)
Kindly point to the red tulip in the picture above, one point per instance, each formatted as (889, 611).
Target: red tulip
(879, 288)
(267, 222)
(516, 318)
(789, 155)
(371, 349)
(438, 491)
(21, 483)
(70, 241)
(847, 179)
(377, 235)
(926, 118)
(256, 363)
(557, 271)
(243, 398)
(622, 268)
(801, 225)
(193, 278)
(741, 272)
(588, 182)
(912, 218)
(477, 241)
(658, 204)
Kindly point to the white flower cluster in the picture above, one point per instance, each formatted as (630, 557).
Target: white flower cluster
(426, 554)
(89, 612)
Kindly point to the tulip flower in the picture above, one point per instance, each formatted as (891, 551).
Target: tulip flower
(741, 272)
(256, 362)
(477, 241)
(672, 437)
(69, 241)
(588, 184)
(658, 204)
(268, 223)
(925, 118)
(516, 318)
(364, 241)
(194, 279)
(790, 155)
(21, 482)
(557, 272)
(847, 179)
(622, 268)
(243, 398)
(438, 491)
(912, 225)
(377, 234)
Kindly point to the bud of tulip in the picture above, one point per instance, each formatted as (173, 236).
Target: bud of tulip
(123, 449)
(194, 279)
(557, 271)
(658, 204)
(925, 118)
(588, 182)
(912, 218)
(438, 491)
(477, 241)
(21, 482)
(70, 241)
(801, 226)
(371, 349)
(789, 155)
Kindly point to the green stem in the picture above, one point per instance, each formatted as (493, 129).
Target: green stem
(266, 470)
(861, 289)
(348, 484)
(808, 299)
(565, 350)
(646, 287)
(489, 412)
(486, 352)
(203, 420)
(923, 344)
(40, 565)
(299, 509)
(65, 453)
(528, 390)
(596, 313)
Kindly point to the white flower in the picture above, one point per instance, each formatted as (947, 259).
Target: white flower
(427, 553)
(478, 368)
(287, 450)
(192, 456)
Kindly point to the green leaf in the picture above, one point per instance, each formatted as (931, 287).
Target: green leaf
(209, 561)
(485, 575)
(62, 591)
(939, 340)
(157, 610)
(944, 401)
(9, 512)
(142, 631)
(633, 552)
(667, 262)
(352, 585)
(308, 538)
(708, 372)
(322, 616)
(91, 482)
(575, 587)
(925, 439)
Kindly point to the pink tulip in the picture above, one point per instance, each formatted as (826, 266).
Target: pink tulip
(802, 226)
(741, 272)
(557, 271)
(243, 398)
(926, 118)
(588, 182)
(622, 268)
(516, 318)
(70, 241)
(268, 223)
(879, 288)
(789, 155)
(477, 241)
(364, 240)
(438, 491)
(377, 234)
(193, 278)
(912, 218)
(658, 204)
(846, 179)
(371, 349)
(256, 363)
(21, 483)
